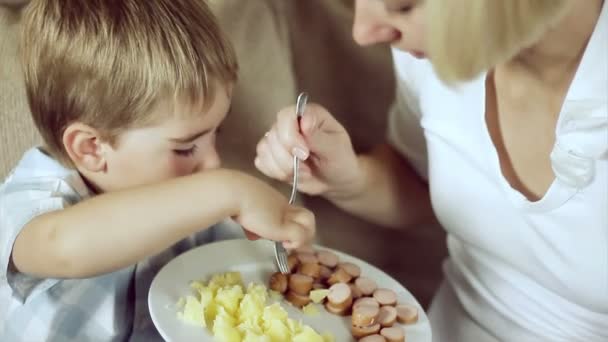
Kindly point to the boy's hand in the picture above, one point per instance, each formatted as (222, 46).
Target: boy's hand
(265, 213)
(330, 166)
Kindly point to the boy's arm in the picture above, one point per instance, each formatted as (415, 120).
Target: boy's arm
(114, 230)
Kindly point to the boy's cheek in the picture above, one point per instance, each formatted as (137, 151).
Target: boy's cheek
(180, 166)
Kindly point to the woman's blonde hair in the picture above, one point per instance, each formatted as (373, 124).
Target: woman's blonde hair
(467, 37)
(108, 63)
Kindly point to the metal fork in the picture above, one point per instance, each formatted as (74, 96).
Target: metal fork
(279, 251)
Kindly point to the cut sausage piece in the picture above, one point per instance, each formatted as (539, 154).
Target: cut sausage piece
(393, 334)
(340, 296)
(355, 290)
(373, 338)
(292, 262)
(366, 285)
(310, 269)
(325, 272)
(307, 257)
(366, 301)
(385, 296)
(318, 286)
(336, 311)
(300, 284)
(360, 332)
(339, 276)
(297, 299)
(278, 282)
(387, 316)
(327, 258)
(364, 315)
(407, 313)
(353, 270)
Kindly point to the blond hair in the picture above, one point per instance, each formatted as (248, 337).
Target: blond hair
(108, 63)
(467, 37)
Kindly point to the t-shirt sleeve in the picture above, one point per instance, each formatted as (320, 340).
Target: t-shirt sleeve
(19, 204)
(405, 132)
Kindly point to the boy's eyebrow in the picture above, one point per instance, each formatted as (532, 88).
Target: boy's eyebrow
(190, 138)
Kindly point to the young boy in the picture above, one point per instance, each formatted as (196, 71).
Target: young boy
(128, 96)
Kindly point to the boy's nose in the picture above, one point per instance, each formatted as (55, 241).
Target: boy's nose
(370, 25)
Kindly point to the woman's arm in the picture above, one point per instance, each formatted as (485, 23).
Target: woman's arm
(390, 193)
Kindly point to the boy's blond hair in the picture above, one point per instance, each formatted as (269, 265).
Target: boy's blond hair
(108, 63)
(467, 37)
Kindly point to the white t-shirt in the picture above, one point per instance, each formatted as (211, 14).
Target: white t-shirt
(517, 270)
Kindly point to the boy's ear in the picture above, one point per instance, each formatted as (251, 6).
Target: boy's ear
(84, 145)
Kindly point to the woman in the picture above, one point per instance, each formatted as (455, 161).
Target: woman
(507, 123)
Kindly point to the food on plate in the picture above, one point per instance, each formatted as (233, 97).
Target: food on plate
(317, 296)
(297, 299)
(339, 276)
(353, 270)
(328, 258)
(300, 284)
(278, 282)
(366, 285)
(235, 314)
(310, 309)
(393, 334)
(364, 315)
(320, 277)
(387, 316)
(407, 314)
(311, 269)
(373, 338)
(385, 296)
(362, 331)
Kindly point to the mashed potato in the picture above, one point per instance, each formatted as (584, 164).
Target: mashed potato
(233, 314)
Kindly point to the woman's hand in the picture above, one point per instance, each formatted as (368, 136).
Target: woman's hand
(329, 164)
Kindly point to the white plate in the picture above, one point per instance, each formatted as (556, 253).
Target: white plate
(255, 262)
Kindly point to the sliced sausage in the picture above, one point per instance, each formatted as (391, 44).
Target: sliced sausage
(325, 272)
(355, 290)
(336, 311)
(373, 338)
(327, 258)
(339, 276)
(307, 257)
(300, 283)
(387, 316)
(366, 301)
(385, 296)
(364, 315)
(297, 299)
(278, 282)
(340, 296)
(407, 313)
(310, 269)
(393, 334)
(366, 285)
(319, 286)
(292, 262)
(350, 268)
(360, 332)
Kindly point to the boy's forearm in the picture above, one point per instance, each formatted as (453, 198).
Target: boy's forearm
(115, 230)
(392, 194)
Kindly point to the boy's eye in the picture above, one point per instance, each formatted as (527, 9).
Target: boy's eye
(186, 152)
(405, 9)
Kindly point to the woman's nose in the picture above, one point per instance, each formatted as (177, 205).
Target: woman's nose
(370, 25)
